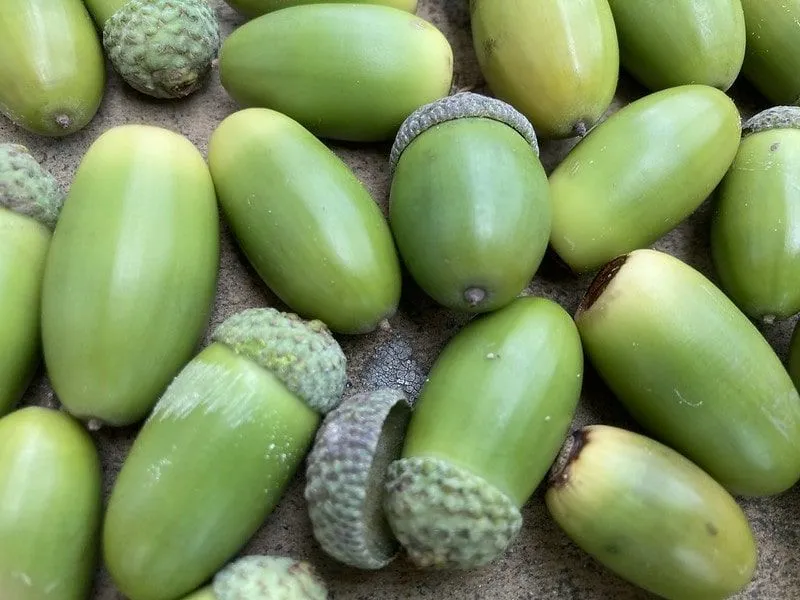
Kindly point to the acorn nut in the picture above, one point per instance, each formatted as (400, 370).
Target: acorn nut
(469, 204)
(225, 440)
(694, 371)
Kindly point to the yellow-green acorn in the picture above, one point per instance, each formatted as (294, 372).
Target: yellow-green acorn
(131, 273)
(214, 457)
(557, 62)
(53, 73)
(667, 44)
(641, 172)
(256, 8)
(346, 474)
(30, 202)
(265, 577)
(650, 515)
(307, 225)
(756, 222)
(357, 70)
(162, 48)
(469, 203)
(487, 425)
(51, 499)
(694, 371)
(773, 43)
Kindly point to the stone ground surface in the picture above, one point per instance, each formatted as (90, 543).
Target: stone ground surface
(542, 563)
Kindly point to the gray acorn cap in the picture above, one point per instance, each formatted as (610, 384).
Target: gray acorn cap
(777, 117)
(27, 188)
(263, 577)
(346, 476)
(460, 106)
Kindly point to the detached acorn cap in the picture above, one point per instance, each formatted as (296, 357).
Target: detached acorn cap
(346, 475)
(27, 188)
(460, 106)
(445, 516)
(163, 48)
(261, 577)
(303, 354)
(777, 117)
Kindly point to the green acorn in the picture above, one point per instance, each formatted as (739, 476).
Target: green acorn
(163, 48)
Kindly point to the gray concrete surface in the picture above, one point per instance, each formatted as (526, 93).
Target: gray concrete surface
(542, 563)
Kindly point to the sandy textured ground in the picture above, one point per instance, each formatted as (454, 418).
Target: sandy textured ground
(542, 563)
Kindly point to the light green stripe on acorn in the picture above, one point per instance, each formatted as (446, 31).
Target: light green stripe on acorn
(694, 371)
(217, 452)
(256, 8)
(756, 222)
(30, 203)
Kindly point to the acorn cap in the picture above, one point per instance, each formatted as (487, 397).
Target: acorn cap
(777, 117)
(27, 188)
(460, 106)
(303, 354)
(446, 517)
(346, 477)
(261, 577)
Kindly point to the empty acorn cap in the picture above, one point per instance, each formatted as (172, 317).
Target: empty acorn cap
(261, 577)
(346, 476)
(460, 106)
(777, 117)
(304, 355)
(27, 188)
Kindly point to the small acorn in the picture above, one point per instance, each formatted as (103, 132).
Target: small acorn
(346, 474)
(225, 439)
(756, 222)
(469, 204)
(30, 204)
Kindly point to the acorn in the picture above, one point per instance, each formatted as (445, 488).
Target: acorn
(564, 77)
(30, 203)
(469, 203)
(346, 473)
(215, 456)
(694, 371)
(650, 515)
(640, 173)
(489, 421)
(756, 221)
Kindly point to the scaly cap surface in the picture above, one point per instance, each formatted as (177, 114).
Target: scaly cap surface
(262, 577)
(302, 354)
(777, 117)
(26, 188)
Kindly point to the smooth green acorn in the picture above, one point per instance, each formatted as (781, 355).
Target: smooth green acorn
(131, 274)
(214, 457)
(650, 515)
(667, 44)
(53, 76)
(755, 229)
(563, 76)
(256, 8)
(51, 499)
(469, 205)
(362, 90)
(693, 370)
(640, 173)
(30, 202)
(305, 222)
(489, 421)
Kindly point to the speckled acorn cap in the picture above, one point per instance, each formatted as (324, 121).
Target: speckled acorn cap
(346, 474)
(263, 577)
(303, 354)
(27, 188)
(777, 117)
(446, 517)
(463, 105)
(163, 48)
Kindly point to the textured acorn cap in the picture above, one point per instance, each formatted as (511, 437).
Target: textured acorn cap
(268, 578)
(302, 354)
(27, 188)
(446, 517)
(163, 48)
(463, 105)
(346, 476)
(777, 117)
